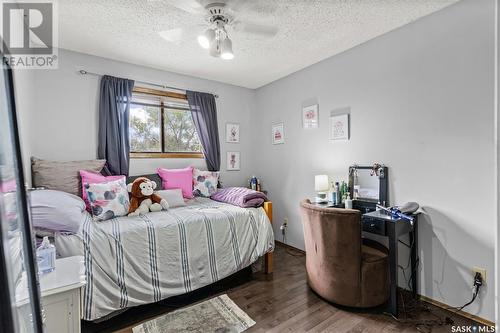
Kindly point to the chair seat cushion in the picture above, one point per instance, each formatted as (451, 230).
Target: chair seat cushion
(372, 254)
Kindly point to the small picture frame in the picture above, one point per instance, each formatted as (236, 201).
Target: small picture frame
(232, 133)
(339, 126)
(310, 116)
(233, 161)
(278, 133)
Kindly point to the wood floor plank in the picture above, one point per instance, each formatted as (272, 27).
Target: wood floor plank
(282, 302)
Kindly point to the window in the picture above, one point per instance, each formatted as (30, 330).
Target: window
(161, 125)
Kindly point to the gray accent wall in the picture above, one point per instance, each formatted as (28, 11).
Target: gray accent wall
(421, 101)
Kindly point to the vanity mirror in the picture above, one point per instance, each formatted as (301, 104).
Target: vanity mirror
(368, 186)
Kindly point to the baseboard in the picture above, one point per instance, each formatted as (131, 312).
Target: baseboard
(277, 242)
(423, 298)
(460, 313)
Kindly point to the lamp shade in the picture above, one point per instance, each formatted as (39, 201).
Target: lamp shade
(321, 183)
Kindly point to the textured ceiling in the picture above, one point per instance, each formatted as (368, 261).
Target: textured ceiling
(309, 31)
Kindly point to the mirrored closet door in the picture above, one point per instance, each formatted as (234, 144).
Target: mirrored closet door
(19, 292)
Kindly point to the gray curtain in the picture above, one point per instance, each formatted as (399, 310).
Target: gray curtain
(113, 139)
(204, 113)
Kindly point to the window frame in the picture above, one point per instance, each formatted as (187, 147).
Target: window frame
(162, 107)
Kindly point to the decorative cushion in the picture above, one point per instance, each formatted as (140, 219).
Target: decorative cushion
(57, 211)
(62, 176)
(178, 178)
(153, 176)
(108, 200)
(173, 197)
(204, 183)
(94, 178)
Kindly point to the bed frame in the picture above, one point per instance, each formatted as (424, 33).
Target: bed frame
(268, 257)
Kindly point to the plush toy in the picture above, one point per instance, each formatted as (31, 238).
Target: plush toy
(142, 197)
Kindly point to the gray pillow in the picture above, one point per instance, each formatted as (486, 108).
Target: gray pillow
(62, 176)
(153, 176)
(57, 211)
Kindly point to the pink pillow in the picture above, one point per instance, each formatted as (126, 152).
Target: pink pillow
(94, 178)
(178, 178)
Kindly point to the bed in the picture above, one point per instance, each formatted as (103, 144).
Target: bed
(132, 261)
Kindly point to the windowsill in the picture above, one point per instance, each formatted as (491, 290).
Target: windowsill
(166, 155)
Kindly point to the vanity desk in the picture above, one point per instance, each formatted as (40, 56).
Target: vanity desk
(383, 224)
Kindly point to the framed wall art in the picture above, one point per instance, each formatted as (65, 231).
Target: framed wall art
(232, 133)
(310, 116)
(278, 133)
(339, 125)
(233, 161)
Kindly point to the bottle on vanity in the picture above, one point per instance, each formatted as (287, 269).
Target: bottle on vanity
(348, 201)
(337, 193)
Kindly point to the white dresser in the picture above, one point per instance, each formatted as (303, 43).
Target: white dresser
(60, 291)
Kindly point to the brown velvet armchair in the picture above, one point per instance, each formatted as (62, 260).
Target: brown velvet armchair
(342, 267)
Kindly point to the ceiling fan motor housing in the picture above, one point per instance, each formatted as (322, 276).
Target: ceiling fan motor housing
(217, 13)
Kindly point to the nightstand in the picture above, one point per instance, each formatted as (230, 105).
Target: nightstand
(60, 291)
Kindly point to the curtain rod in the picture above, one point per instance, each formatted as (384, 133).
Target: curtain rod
(84, 72)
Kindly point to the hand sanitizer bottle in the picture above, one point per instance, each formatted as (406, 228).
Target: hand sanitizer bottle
(46, 256)
(348, 201)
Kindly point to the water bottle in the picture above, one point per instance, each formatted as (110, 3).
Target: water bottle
(253, 183)
(337, 193)
(46, 256)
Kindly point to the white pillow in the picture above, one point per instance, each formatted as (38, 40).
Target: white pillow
(174, 197)
(108, 200)
(57, 211)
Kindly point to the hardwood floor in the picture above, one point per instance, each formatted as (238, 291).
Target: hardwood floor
(282, 302)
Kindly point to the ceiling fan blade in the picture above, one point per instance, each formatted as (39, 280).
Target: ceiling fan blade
(263, 8)
(172, 35)
(256, 29)
(180, 34)
(190, 6)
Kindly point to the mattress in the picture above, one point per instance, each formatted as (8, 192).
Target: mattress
(131, 261)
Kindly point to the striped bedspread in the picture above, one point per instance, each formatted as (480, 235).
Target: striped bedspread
(131, 261)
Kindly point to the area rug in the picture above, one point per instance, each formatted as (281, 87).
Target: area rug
(219, 314)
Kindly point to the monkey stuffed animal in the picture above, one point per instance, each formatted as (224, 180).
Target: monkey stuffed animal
(142, 197)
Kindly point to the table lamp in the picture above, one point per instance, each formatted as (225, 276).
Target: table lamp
(321, 186)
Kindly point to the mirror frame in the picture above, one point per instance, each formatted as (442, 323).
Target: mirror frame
(383, 185)
(6, 319)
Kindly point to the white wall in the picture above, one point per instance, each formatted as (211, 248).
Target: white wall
(497, 164)
(64, 123)
(421, 100)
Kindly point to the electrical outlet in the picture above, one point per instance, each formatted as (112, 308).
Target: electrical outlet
(285, 221)
(481, 271)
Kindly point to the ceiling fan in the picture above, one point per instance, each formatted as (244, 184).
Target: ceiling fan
(220, 19)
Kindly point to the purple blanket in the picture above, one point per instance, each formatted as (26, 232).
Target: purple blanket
(240, 196)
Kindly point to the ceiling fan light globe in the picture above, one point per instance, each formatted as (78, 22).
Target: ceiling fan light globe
(203, 41)
(206, 38)
(227, 56)
(227, 49)
(214, 50)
